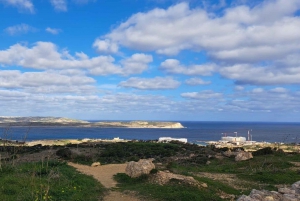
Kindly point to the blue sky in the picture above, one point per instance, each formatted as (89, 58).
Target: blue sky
(222, 60)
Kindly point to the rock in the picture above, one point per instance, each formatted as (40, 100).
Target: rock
(163, 177)
(242, 156)
(204, 185)
(219, 156)
(95, 164)
(136, 169)
(286, 191)
(290, 197)
(208, 162)
(283, 194)
(246, 198)
(296, 187)
(230, 153)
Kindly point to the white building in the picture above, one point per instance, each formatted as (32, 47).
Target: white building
(233, 139)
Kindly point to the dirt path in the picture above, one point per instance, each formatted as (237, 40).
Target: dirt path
(104, 174)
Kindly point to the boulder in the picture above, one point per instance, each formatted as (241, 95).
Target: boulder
(95, 164)
(283, 194)
(163, 177)
(136, 169)
(243, 156)
(296, 187)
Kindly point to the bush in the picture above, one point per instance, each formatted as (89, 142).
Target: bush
(263, 151)
(64, 153)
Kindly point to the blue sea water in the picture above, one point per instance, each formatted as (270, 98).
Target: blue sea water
(194, 131)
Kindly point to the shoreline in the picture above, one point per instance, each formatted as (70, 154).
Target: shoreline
(62, 142)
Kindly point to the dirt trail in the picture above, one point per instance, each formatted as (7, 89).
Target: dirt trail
(104, 174)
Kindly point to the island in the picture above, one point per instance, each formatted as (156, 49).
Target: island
(62, 121)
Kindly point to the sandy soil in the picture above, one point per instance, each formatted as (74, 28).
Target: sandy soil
(104, 174)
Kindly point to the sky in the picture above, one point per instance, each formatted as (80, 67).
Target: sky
(193, 60)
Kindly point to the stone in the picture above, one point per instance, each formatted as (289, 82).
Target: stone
(283, 194)
(228, 153)
(136, 169)
(95, 164)
(289, 197)
(245, 198)
(163, 177)
(296, 187)
(242, 156)
(286, 191)
(208, 162)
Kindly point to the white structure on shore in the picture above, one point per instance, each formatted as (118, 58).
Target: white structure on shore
(233, 139)
(169, 139)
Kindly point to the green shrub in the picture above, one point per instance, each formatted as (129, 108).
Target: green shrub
(263, 151)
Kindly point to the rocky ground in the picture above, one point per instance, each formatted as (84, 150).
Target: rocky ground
(193, 156)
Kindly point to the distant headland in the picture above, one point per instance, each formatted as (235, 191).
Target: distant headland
(62, 121)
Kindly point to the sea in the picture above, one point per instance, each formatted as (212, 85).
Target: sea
(195, 131)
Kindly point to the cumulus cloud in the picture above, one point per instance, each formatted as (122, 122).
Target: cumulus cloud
(248, 74)
(206, 94)
(173, 66)
(59, 5)
(53, 30)
(45, 55)
(259, 99)
(46, 82)
(26, 5)
(197, 81)
(19, 29)
(136, 64)
(156, 83)
(240, 32)
(105, 46)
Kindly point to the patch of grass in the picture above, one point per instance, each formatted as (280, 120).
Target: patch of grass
(218, 185)
(173, 191)
(122, 152)
(47, 181)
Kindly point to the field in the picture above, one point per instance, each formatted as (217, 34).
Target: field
(41, 172)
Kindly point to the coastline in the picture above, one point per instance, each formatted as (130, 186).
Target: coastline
(246, 147)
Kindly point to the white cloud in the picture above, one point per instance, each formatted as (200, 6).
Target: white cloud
(26, 5)
(45, 55)
(206, 94)
(46, 82)
(53, 30)
(263, 100)
(105, 46)
(242, 34)
(279, 90)
(248, 74)
(136, 64)
(173, 66)
(197, 81)
(59, 5)
(19, 29)
(156, 83)
(239, 88)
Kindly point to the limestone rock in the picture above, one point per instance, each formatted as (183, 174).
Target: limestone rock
(95, 164)
(163, 177)
(136, 169)
(296, 187)
(229, 153)
(242, 156)
(283, 194)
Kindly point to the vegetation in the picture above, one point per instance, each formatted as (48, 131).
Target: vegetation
(174, 191)
(54, 180)
(50, 181)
